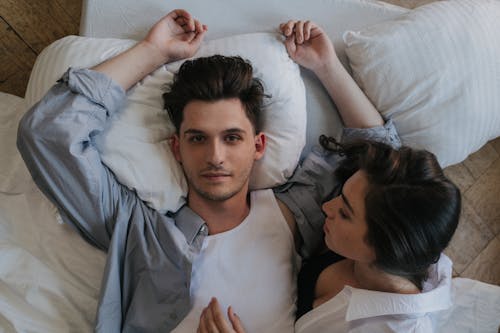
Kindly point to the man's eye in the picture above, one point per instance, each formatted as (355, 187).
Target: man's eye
(196, 138)
(233, 138)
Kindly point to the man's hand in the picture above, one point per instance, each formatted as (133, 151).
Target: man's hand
(307, 44)
(212, 320)
(176, 36)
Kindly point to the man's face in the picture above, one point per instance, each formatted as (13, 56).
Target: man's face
(217, 147)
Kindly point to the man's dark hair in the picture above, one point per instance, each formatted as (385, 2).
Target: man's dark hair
(212, 79)
(412, 208)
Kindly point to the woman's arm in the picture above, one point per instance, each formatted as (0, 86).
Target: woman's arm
(309, 46)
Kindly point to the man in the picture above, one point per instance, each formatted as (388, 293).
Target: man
(162, 270)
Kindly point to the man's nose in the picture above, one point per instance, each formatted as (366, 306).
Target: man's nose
(215, 155)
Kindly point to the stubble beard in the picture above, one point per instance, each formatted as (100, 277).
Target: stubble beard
(217, 196)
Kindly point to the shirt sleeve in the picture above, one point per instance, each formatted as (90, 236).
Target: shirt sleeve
(314, 183)
(56, 139)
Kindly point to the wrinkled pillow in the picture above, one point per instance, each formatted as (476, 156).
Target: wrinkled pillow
(436, 71)
(135, 146)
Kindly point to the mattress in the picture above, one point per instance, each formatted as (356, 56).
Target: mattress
(132, 19)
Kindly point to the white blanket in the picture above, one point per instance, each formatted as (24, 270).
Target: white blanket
(50, 277)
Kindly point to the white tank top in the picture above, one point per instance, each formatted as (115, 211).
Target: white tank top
(252, 267)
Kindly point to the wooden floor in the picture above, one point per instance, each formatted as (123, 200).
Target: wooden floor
(29, 26)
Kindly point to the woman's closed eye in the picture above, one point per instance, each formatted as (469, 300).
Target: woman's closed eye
(343, 214)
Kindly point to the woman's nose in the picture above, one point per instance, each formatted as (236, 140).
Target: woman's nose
(329, 207)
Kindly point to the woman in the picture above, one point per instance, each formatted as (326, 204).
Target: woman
(385, 231)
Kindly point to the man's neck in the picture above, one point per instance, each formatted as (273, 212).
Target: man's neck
(221, 216)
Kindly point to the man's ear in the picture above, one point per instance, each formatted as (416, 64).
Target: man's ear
(260, 145)
(175, 147)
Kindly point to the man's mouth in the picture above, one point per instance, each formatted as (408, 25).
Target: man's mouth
(215, 175)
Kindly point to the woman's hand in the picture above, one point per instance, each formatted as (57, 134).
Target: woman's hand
(176, 36)
(307, 44)
(212, 320)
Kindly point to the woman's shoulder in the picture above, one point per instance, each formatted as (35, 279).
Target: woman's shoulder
(333, 279)
(308, 277)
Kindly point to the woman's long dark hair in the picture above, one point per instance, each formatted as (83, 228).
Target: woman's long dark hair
(412, 208)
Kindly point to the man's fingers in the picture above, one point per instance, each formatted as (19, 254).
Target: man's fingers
(181, 21)
(216, 310)
(217, 315)
(307, 30)
(198, 27)
(287, 28)
(299, 32)
(202, 328)
(188, 21)
(210, 324)
(198, 37)
(290, 45)
(235, 320)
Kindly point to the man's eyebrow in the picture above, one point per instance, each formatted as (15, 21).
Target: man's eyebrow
(192, 131)
(346, 202)
(235, 130)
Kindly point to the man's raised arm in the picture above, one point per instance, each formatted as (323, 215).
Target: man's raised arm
(176, 36)
(56, 137)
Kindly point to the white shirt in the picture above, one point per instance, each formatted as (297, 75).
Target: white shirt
(356, 310)
(252, 267)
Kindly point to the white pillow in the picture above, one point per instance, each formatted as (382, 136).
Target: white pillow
(436, 71)
(135, 147)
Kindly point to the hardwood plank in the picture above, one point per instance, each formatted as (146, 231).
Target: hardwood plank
(16, 61)
(73, 8)
(16, 84)
(39, 23)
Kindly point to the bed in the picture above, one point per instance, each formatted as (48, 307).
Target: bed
(50, 277)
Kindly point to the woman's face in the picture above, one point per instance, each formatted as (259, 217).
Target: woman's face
(345, 225)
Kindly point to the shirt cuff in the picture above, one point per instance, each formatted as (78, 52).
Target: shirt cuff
(386, 134)
(97, 87)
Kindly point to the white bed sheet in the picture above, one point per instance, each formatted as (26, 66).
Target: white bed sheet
(49, 276)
